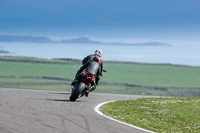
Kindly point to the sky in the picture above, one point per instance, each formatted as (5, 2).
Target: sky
(109, 20)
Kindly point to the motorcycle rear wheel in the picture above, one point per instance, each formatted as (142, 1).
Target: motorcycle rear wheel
(77, 91)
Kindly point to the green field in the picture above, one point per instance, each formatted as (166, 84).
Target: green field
(121, 77)
(163, 115)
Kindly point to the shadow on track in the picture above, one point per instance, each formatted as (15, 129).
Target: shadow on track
(63, 100)
(59, 100)
(61, 93)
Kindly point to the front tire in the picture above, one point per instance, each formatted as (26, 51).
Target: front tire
(77, 91)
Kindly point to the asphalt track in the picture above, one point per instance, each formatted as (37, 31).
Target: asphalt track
(36, 111)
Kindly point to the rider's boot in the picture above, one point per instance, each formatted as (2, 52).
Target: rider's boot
(87, 93)
(75, 81)
(89, 90)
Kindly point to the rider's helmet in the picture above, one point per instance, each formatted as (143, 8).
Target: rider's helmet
(98, 53)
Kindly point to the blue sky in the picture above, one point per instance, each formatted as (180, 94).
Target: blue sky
(120, 20)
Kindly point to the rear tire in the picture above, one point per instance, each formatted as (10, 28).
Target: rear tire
(77, 91)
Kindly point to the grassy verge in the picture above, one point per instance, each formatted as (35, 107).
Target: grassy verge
(158, 114)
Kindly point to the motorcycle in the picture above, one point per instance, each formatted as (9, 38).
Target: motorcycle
(84, 84)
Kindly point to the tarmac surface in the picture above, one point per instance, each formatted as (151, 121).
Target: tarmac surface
(37, 111)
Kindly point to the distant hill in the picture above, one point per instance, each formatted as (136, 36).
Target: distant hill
(78, 40)
(16, 38)
(4, 51)
(85, 40)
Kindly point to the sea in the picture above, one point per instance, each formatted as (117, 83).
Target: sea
(176, 54)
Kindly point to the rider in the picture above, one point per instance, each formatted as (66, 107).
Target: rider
(92, 64)
(98, 53)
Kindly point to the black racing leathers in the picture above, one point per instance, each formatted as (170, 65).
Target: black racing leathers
(94, 68)
(88, 58)
(85, 62)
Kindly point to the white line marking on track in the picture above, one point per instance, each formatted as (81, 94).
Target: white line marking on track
(97, 109)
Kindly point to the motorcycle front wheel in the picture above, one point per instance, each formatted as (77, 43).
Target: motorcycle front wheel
(77, 91)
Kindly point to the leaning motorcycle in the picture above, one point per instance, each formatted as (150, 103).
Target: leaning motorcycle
(84, 84)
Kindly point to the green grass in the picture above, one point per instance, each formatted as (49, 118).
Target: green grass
(123, 78)
(164, 115)
(20, 69)
(151, 75)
